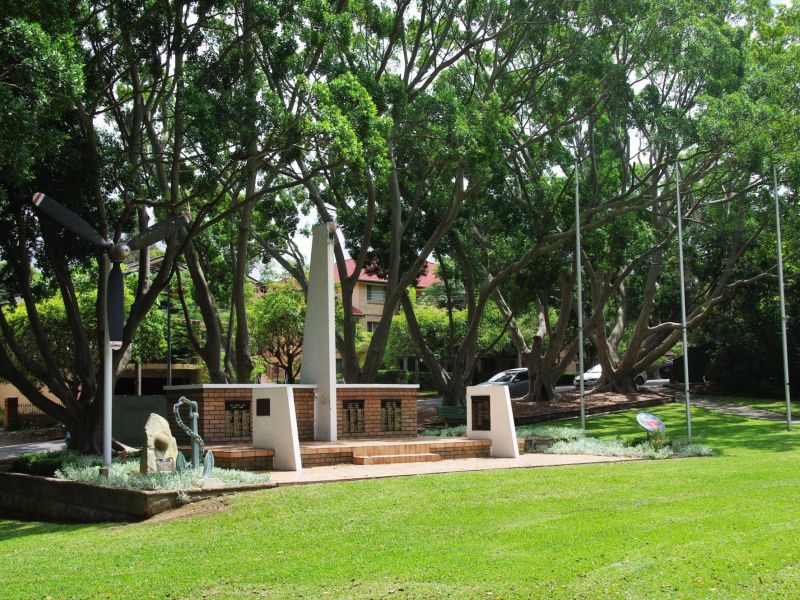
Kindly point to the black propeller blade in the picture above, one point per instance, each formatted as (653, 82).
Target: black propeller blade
(115, 310)
(69, 220)
(157, 232)
(114, 306)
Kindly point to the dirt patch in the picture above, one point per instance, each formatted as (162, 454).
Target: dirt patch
(565, 404)
(26, 436)
(194, 509)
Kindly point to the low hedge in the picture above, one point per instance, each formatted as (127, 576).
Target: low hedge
(566, 379)
(44, 464)
(392, 376)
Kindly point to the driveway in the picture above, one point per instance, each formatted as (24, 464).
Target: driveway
(11, 452)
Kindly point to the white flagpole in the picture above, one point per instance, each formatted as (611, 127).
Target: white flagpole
(108, 379)
(783, 302)
(579, 283)
(683, 306)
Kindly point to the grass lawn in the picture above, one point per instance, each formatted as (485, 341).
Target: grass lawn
(771, 404)
(726, 526)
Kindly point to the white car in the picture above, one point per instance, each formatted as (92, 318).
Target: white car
(593, 375)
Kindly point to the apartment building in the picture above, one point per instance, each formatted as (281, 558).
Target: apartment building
(369, 293)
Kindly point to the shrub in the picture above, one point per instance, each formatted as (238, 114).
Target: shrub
(566, 379)
(392, 376)
(630, 448)
(456, 431)
(425, 379)
(615, 448)
(125, 474)
(685, 449)
(550, 431)
(46, 464)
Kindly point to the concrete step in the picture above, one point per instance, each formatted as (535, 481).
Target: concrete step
(387, 459)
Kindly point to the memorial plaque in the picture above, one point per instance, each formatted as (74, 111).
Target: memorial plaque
(481, 413)
(391, 412)
(237, 419)
(353, 416)
(262, 407)
(165, 465)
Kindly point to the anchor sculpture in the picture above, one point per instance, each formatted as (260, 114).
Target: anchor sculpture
(197, 441)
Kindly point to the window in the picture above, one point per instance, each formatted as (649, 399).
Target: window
(376, 293)
(372, 326)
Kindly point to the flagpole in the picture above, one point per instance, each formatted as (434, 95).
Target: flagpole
(683, 306)
(783, 302)
(579, 283)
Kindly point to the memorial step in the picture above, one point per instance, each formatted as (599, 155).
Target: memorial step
(387, 459)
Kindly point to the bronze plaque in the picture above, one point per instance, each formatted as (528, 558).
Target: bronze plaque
(237, 419)
(353, 416)
(481, 413)
(263, 407)
(391, 413)
(165, 465)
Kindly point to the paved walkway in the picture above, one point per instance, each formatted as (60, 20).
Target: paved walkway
(11, 452)
(348, 472)
(739, 410)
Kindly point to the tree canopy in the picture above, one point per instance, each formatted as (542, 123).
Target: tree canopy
(432, 128)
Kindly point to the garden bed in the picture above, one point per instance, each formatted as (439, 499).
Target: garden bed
(549, 439)
(565, 406)
(51, 499)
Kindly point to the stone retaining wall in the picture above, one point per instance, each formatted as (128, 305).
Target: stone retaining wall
(72, 501)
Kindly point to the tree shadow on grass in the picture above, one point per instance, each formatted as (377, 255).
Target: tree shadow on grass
(724, 433)
(12, 528)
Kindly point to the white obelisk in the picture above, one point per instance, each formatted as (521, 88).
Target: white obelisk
(319, 343)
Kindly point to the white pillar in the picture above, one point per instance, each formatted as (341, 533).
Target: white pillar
(497, 423)
(319, 343)
(275, 425)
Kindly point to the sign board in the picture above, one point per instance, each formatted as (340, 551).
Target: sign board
(651, 423)
(165, 465)
(481, 413)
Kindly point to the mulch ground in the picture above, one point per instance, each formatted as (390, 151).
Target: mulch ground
(26, 436)
(561, 407)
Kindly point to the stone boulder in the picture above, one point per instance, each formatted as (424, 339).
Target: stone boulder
(160, 450)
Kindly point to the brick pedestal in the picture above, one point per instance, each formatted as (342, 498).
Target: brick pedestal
(10, 411)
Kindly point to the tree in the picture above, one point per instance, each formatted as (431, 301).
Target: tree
(111, 174)
(277, 320)
(443, 329)
(708, 121)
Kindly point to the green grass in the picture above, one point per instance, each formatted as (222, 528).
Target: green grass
(725, 526)
(769, 404)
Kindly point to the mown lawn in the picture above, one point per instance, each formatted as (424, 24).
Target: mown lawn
(726, 526)
(770, 404)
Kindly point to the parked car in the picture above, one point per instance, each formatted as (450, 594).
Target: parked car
(666, 370)
(592, 376)
(515, 379)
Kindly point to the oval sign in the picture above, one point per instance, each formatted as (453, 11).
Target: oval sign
(650, 422)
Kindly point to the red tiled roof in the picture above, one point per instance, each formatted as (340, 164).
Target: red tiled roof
(427, 279)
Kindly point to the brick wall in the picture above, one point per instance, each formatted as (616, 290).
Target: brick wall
(212, 424)
(371, 397)
(304, 412)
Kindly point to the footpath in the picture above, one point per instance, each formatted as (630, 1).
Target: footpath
(739, 410)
